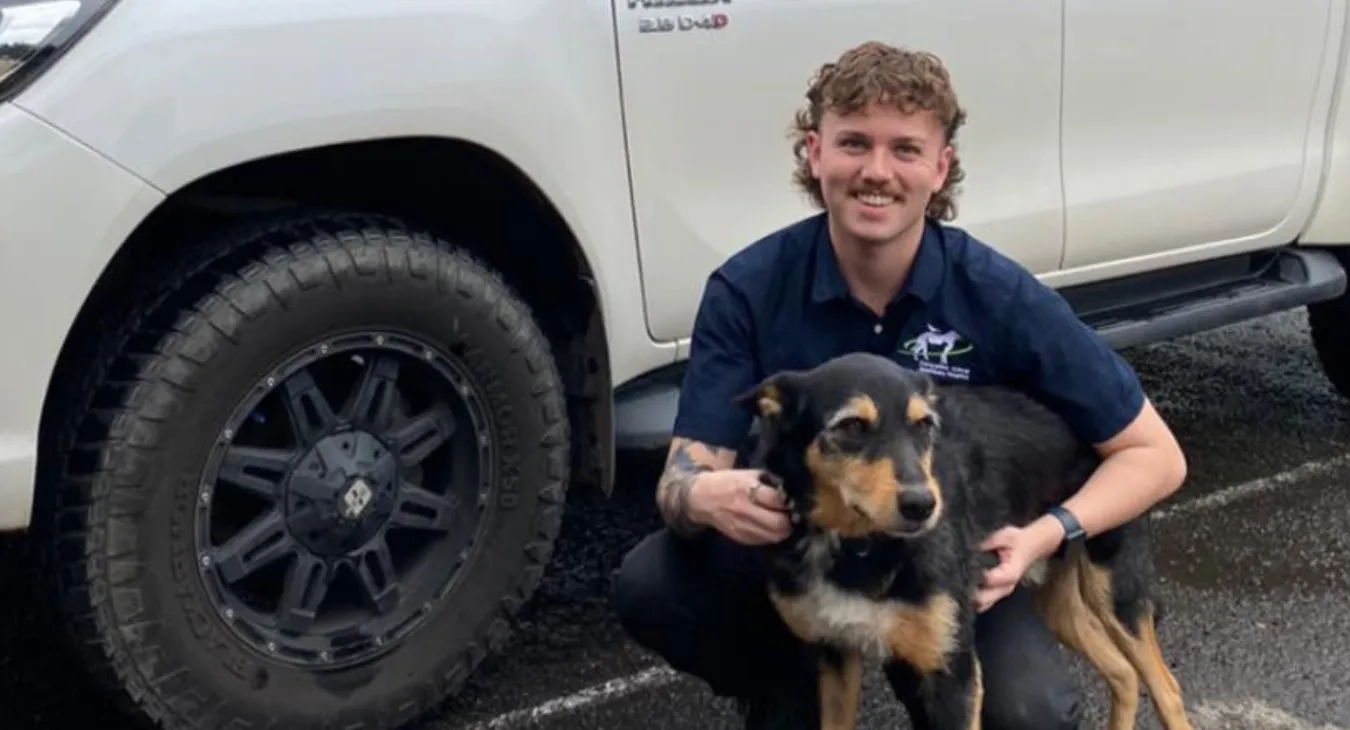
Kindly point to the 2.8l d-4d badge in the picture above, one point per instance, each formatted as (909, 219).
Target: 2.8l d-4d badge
(710, 21)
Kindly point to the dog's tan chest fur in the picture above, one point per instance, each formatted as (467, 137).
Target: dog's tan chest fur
(919, 634)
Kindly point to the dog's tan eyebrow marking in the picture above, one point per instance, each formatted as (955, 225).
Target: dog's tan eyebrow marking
(918, 408)
(859, 406)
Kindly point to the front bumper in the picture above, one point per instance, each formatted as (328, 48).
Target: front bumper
(64, 211)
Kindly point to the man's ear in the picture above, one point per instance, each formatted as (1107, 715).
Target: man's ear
(774, 397)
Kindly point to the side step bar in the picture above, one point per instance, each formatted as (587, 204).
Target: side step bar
(1128, 311)
(1152, 307)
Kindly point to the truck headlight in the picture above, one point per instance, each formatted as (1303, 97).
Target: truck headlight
(34, 33)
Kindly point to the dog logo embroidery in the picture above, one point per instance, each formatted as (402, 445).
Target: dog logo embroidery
(934, 349)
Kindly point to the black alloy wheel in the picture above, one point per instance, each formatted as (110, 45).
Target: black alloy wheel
(319, 543)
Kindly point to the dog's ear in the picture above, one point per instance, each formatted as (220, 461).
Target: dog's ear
(776, 400)
(775, 397)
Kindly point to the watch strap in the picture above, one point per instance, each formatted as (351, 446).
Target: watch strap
(1073, 529)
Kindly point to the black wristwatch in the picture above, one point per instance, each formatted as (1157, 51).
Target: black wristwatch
(1073, 530)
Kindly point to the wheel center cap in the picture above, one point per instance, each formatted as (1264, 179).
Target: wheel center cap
(342, 493)
(355, 499)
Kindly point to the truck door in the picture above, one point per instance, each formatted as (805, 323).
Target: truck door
(710, 88)
(1191, 124)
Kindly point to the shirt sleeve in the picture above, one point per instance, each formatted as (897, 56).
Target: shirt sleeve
(1065, 364)
(721, 366)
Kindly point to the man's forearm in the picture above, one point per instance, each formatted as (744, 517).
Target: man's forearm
(1142, 465)
(1126, 485)
(686, 461)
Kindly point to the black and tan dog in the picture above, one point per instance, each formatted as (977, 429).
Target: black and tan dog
(893, 485)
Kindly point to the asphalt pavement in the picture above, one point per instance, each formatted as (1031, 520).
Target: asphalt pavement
(1253, 554)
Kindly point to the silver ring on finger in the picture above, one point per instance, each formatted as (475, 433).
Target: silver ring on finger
(753, 488)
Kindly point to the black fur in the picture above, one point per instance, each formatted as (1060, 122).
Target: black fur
(999, 457)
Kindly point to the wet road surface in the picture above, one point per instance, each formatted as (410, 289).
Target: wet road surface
(1255, 557)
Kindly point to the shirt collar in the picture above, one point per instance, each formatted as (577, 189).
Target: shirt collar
(924, 276)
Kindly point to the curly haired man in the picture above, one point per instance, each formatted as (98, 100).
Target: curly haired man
(877, 270)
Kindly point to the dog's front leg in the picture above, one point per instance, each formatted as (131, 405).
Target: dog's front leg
(840, 685)
(950, 698)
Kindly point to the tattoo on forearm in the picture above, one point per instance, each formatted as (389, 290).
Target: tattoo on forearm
(672, 492)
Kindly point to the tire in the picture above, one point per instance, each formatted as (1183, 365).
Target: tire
(128, 517)
(1329, 326)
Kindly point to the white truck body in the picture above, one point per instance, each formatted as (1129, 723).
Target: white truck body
(1105, 139)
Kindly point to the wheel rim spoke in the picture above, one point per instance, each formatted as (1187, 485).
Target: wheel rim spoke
(418, 438)
(259, 471)
(375, 567)
(306, 586)
(420, 509)
(310, 413)
(376, 394)
(259, 544)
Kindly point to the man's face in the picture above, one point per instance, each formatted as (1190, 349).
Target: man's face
(877, 169)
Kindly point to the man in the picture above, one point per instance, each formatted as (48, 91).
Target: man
(876, 271)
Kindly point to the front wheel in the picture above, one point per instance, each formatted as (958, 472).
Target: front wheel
(331, 467)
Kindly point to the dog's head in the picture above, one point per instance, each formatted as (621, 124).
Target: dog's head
(852, 440)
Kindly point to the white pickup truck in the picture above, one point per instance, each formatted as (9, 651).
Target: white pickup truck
(317, 308)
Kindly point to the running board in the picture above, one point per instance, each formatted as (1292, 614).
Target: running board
(1156, 306)
(1127, 312)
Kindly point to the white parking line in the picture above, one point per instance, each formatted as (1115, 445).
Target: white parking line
(1228, 495)
(596, 694)
(1254, 714)
(1250, 714)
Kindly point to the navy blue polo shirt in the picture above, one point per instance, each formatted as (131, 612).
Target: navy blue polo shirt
(966, 313)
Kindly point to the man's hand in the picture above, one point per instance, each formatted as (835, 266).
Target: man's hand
(1016, 548)
(741, 504)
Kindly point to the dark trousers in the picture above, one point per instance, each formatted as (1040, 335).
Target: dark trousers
(701, 605)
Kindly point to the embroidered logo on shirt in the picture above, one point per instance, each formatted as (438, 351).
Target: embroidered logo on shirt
(934, 349)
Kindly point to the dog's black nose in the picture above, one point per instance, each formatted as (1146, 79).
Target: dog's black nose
(916, 504)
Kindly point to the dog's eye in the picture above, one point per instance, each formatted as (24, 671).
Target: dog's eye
(851, 426)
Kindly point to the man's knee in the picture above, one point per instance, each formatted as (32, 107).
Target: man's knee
(1027, 682)
(664, 602)
(640, 590)
(1031, 702)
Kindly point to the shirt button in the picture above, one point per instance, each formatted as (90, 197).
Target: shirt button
(877, 329)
